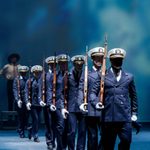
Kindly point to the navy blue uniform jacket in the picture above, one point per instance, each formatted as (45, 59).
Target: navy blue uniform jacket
(120, 98)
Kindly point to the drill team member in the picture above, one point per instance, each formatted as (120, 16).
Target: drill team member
(76, 120)
(19, 95)
(94, 107)
(56, 106)
(48, 115)
(120, 103)
(34, 105)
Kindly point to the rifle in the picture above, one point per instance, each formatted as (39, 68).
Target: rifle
(86, 79)
(103, 70)
(54, 82)
(29, 86)
(66, 86)
(43, 82)
(18, 86)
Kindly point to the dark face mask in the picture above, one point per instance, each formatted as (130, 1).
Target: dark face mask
(51, 66)
(37, 74)
(63, 66)
(23, 74)
(78, 66)
(97, 61)
(116, 62)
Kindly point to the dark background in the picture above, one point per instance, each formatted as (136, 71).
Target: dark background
(36, 29)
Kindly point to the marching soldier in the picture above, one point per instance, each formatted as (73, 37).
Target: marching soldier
(33, 104)
(19, 95)
(75, 117)
(94, 107)
(120, 103)
(9, 71)
(54, 99)
(50, 127)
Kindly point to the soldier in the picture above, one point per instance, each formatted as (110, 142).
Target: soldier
(50, 127)
(120, 103)
(9, 71)
(19, 95)
(32, 85)
(55, 106)
(94, 113)
(75, 117)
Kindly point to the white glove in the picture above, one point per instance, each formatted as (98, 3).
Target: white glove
(134, 118)
(52, 107)
(42, 104)
(83, 107)
(19, 103)
(64, 113)
(28, 105)
(99, 105)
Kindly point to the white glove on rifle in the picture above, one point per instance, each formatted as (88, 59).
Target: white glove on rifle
(42, 104)
(19, 103)
(28, 105)
(134, 118)
(52, 107)
(99, 105)
(64, 113)
(83, 107)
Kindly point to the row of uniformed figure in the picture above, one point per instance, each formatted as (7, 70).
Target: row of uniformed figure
(62, 120)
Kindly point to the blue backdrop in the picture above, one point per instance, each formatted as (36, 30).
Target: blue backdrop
(36, 29)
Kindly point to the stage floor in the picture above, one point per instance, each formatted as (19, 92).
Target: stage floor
(9, 140)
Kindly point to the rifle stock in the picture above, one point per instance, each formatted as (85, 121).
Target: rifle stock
(66, 86)
(29, 86)
(43, 82)
(54, 83)
(103, 70)
(18, 86)
(86, 78)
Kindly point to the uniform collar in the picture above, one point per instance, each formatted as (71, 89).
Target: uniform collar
(95, 69)
(21, 77)
(119, 74)
(113, 71)
(50, 71)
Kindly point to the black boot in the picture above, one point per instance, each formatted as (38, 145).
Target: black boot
(29, 132)
(36, 140)
(50, 147)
